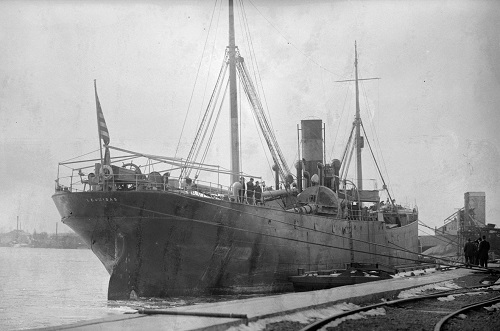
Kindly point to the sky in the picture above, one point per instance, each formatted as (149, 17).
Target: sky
(433, 115)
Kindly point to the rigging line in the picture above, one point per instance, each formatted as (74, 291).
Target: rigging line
(375, 134)
(420, 254)
(376, 163)
(195, 80)
(278, 237)
(377, 141)
(439, 236)
(115, 159)
(275, 220)
(246, 35)
(340, 121)
(347, 120)
(263, 122)
(345, 170)
(206, 122)
(254, 62)
(376, 137)
(293, 45)
(209, 110)
(445, 240)
(258, 124)
(211, 58)
(440, 239)
(252, 54)
(253, 57)
(349, 142)
(76, 157)
(213, 130)
(213, 127)
(259, 134)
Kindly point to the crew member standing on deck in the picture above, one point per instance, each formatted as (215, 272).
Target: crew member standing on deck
(258, 193)
(250, 191)
(484, 247)
(469, 252)
(241, 193)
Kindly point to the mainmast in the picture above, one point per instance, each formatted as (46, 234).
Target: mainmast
(233, 100)
(359, 139)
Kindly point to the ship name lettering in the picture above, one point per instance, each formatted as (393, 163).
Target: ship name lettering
(102, 200)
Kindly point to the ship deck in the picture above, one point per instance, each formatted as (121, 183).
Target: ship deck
(276, 306)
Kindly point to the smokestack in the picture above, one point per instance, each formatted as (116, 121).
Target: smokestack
(312, 145)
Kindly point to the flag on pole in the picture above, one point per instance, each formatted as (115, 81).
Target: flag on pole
(103, 129)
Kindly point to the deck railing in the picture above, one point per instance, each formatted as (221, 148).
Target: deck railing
(79, 182)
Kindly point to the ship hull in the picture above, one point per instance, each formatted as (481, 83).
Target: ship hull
(159, 243)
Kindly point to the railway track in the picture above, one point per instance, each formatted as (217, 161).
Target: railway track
(454, 309)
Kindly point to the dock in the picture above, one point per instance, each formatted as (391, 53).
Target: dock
(267, 307)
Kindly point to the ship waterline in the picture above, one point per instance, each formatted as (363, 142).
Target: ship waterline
(163, 243)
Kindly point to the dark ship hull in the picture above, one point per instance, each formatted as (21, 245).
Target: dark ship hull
(164, 243)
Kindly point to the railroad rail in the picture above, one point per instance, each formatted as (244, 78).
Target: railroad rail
(439, 326)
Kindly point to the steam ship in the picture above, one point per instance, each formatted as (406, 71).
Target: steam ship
(160, 230)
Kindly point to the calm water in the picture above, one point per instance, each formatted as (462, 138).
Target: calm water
(41, 287)
(46, 287)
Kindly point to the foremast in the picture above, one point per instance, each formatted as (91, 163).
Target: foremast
(233, 100)
(357, 123)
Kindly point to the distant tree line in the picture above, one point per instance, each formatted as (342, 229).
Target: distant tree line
(20, 238)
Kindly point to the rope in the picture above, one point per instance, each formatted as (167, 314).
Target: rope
(445, 240)
(76, 157)
(208, 114)
(376, 163)
(377, 141)
(196, 79)
(213, 129)
(340, 121)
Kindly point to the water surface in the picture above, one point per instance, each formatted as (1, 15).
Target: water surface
(42, 287)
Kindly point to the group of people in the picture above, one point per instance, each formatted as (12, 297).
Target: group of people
(476, 252)
(250, 192)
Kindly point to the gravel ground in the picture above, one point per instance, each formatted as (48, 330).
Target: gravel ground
(420, 315)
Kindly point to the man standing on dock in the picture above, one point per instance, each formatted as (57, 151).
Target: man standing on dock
(484, 247)
(469, 252)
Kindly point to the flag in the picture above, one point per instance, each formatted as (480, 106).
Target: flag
(101, 123)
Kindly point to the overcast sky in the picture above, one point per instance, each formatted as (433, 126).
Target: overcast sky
(433, 115)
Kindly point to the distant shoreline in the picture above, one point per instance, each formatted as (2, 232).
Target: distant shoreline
(22, 239)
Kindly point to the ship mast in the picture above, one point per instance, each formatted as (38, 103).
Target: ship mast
(359, 141)
(233, 100)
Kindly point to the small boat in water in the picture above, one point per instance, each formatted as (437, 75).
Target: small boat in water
(160, 229)
(356, 273)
